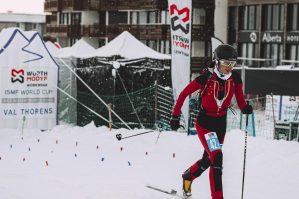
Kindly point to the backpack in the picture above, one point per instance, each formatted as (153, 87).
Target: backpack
(196, 101)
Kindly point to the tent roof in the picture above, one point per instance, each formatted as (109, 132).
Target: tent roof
(128, 47)
(80, 49)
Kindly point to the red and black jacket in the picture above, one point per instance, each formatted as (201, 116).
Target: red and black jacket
(217, 95)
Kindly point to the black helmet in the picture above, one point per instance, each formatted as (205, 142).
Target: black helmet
(225, 51)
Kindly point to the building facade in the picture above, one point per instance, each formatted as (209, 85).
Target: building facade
(27, 22)
(265, 32)
(100, 21)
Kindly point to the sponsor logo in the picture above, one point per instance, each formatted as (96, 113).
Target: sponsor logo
(32, 78)
(17, 75)
(177, 22)
(267, 37)
(292, 38)
(37, 76)
(253, 37)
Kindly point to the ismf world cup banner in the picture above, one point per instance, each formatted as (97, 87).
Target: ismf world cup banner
(180, 19)
(28, 82)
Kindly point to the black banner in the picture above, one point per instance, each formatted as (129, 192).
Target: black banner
(248, 37)
(267, 81)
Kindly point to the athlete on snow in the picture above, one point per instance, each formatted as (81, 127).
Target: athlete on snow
(217, 88)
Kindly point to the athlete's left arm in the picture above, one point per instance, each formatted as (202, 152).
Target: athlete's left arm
(239, 90)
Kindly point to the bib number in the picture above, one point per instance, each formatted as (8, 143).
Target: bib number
(212, 140)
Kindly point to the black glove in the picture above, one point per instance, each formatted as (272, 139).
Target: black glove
(174, 122)
(247, 109)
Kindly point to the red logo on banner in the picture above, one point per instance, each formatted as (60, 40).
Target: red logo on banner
(186, 10)
(17, 75)
(174, 18)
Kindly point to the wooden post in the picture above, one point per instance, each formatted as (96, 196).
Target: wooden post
(110, 116)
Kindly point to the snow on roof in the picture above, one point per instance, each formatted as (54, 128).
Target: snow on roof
(128, 47)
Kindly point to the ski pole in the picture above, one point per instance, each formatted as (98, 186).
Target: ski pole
(245, 148)
(119, 136)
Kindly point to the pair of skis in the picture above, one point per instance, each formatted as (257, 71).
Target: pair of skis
(169, 192)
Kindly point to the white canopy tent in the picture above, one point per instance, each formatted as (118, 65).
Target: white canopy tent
(130, 52)
(128, 47)
(80, 49)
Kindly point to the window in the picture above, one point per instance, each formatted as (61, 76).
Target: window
(152, 44)
(152, 19)
(162, 46)
(165, 18)
(249, 50)
(272, 17)
(134, 17)
(75, 18)
(292, 53)
(167, 47)
(252, 18)
(142, 17)
(249, 17)
(64, 18)
(293, 17)
(198, 49)
(272, 51)
(199, 16)
(116, 17)
(232, 25)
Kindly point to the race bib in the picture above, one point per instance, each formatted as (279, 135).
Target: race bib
(212, 140)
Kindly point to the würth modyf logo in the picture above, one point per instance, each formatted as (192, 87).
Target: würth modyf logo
(176, 23)
(17, 75)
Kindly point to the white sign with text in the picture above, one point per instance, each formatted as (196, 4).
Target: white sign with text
(28, 81)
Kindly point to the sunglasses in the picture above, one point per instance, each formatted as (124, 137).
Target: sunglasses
(227, 63)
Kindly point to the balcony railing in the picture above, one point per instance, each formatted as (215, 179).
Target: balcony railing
(52, 6)
(144, 32)
(153, 32)
(137, 4)
(93, 30)
(103, 5)
(60, 30)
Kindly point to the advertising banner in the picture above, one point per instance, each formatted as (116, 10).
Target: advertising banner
(284, 107)
(28, 81)
(180, 19)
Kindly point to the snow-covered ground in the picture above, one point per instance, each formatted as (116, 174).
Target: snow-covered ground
(90, 163)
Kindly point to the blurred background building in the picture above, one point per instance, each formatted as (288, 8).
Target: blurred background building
(26, 22)
(100, 21)
(265, 32)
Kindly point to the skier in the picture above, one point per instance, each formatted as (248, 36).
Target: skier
(217, 88)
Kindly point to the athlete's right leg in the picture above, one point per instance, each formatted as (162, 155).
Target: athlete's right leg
(197, 168)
